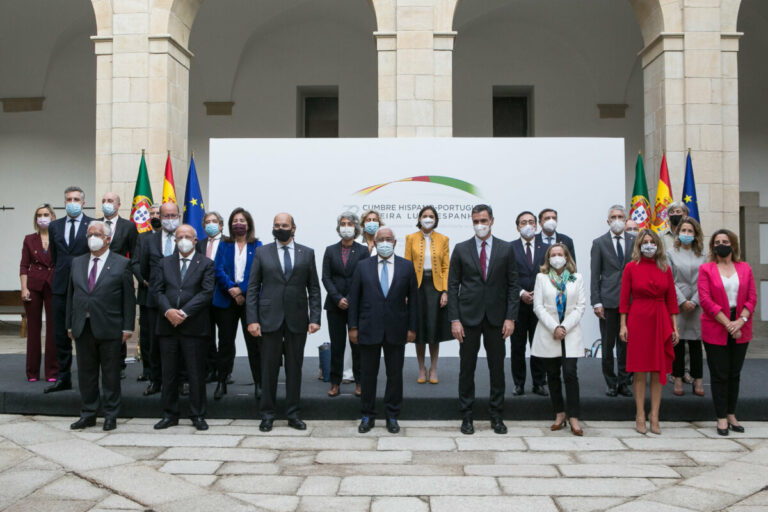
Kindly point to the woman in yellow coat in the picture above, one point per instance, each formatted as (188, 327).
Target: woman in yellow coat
(428, 250)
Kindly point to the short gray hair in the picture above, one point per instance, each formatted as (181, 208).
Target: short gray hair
(75, 188)
(104, 228)
(216, 214)
(677, 204)
(619, 207)
(354, 219)
(155, 205)
(376, 236)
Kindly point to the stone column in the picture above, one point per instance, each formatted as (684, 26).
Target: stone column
(386, 47)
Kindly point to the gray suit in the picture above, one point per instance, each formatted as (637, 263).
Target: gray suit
(606, 290)
(284, 307)
(97, 319)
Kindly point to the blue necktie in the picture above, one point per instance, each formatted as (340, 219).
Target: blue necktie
(287, 265)
(384, 277)
(184, 266)
(168, 247)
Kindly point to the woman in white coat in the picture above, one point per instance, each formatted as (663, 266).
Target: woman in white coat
(559, 301)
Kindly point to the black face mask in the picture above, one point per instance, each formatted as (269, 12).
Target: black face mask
(675, 219)
(155, 223)
(283, 235)
(723, 250)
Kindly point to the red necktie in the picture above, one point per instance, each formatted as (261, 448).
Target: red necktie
(528, 253)
(209, 249)
(482, 259)
(92, 275)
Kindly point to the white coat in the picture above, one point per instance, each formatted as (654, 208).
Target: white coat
(544, 306)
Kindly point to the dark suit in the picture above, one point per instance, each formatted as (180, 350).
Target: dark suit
(61, 259)
(192, 295)
(97, 319)
(212, 356)
(383, 322)
(147, 253)
(284, 307)
(482, 306)
(526, 319)
(559, 239)
(337, 278)
(605, 289)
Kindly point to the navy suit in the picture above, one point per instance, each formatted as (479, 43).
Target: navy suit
(559, 239)
(526, 319)
(62, 255)
(383, 322)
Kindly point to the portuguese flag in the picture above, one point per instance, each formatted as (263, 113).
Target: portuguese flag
(142, 198)
(640, 210)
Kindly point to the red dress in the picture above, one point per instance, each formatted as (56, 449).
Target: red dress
(648, 298)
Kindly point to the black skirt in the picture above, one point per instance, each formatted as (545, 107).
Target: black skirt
(434, 324)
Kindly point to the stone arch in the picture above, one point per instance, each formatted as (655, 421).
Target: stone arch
(102, 10)
(729, 15)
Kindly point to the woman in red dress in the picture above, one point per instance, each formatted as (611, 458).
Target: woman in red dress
(648, 309)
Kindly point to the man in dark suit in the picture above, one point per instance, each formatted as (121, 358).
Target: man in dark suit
(483, 299)
(383, 314)
(208, 245)
(610, 253)
(529, 256)
(183, 287)
(282, 305)
(67, 240)
(101, 311)
(145, 325)
(549, 234)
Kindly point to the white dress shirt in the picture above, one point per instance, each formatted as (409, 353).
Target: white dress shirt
(241, 258)
(621, 243)
(427, 250)
(390, 269)
(549, 240)
(164, 236)
(181, 264)
(112, 225)
(99, 265)
(215, 248)
(731, 285)
(281, 253)
(488, 245)
(67, 225)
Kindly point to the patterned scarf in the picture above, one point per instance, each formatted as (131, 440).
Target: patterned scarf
(559, 282)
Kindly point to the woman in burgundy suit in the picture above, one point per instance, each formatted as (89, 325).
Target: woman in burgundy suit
(36, 274)
(728, 299)
(648, 309)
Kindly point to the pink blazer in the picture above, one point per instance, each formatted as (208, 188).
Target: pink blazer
(713, 300)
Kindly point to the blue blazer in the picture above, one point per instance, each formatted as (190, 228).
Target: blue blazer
(224, 266)
(380, 318)
(63, 254)
(526, 274)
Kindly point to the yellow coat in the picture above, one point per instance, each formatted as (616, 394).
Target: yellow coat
(414, 251)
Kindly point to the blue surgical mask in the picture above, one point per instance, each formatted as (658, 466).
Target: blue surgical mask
(371, 227)
(108, 209)
(212, 229)
(685, 239)
(74, 209)
(385, 249)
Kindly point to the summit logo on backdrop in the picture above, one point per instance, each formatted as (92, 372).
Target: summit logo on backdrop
(462, 185)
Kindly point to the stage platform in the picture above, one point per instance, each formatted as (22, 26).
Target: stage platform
(421, 401)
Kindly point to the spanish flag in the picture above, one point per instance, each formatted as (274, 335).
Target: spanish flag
(663, 199)
(169, 188)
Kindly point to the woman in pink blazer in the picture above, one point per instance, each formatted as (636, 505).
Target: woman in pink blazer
(728, 298)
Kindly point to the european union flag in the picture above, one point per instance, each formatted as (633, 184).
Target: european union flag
(194, 208)
(689, 190)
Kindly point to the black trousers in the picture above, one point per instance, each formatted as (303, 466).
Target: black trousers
(63, 343)
(697, 365)
(145, 346)
(337, 330)
(211, 355)
(554, 365)
(275, 345)
(525, 326)
(370, 358)
(155, 360)
(725, 362)
(226, 321)
(190, 349)
(94, 356)
(609, 334)
(495, 348)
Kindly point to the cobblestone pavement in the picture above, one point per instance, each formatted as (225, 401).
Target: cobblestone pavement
(429, 466)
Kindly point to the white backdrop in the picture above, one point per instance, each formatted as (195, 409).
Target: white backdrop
(316, 179)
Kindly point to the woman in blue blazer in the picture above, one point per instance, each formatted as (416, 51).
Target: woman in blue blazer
(233, 268)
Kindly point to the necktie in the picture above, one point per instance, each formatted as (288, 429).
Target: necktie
(209, 249)
(549, 240)
(71, 232)
(287, 265)
(384, 278)
(619, 251)
(482, 259)
(168, 245)
(528, 253)
(92, 275)
(184, 266)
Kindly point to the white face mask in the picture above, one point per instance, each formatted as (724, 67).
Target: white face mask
(185, 245)
(347, 232)
(95, 243)
(528, 231)
(170, 225)
(550, 225)
(617, 227)
(557, 262)
(428, 222)
(482, 230)
(648, 250)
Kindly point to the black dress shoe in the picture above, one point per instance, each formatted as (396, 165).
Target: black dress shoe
(722, 431)
(366, 424)
(266, 425)
(110, 424)
(466, 426)
(221, 390)
(624, 390)
(200, 423)
(540, 390)
(184, 389)
(142, 378)
(211, 377)
(152, 388)
(165, 423)
(297, 424)
(518, 391)
(59, 385)
(230, 380)
(736, 428)
(393, 427)
(611, 392)
(498, 426)
(82, 423)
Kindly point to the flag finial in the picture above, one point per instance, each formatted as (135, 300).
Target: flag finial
(142, 151)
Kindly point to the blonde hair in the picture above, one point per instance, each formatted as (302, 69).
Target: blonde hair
(698, 235)
(570, 264)
(660, 256)
(366, 214)
(34, 216)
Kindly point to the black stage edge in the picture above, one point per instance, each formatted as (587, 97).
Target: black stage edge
(421, 402)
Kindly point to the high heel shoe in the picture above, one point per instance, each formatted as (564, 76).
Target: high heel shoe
(557, 426)
(640, 426)
(735, 428)
(678, 391)
(655, 428)
(576, 431)
(433, 380)
(221, 390)
(697, 392)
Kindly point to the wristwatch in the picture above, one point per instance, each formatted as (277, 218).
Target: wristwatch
(745, 319)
